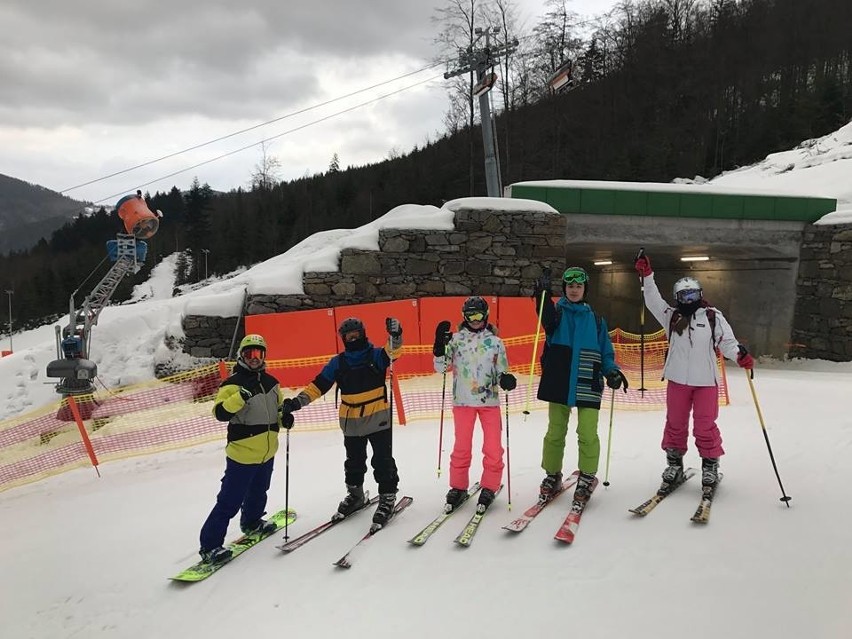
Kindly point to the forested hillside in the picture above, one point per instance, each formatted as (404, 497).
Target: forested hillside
(29, 212)
(663, 89)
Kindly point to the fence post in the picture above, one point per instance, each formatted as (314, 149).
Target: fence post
(83, 434)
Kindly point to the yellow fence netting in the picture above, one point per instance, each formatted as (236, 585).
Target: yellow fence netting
(176, 411)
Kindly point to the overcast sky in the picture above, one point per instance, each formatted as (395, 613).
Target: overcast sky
(90, 88)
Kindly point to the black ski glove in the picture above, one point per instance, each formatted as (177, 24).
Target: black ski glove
(393, 327)
(443, 335)
(508, 382)
(542, 285)
(615, 379)
(289, 405)
(287, 419)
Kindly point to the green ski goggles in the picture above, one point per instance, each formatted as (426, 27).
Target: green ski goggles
(575, 275)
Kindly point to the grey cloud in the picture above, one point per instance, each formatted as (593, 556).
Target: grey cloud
(94, 62)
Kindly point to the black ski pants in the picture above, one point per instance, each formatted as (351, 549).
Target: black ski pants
(384, 466)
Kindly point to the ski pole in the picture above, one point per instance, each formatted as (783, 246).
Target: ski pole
(441, 427)
(286, 483)
(785, 498)
(390, 368)
(641, 327)
(391, 381)
(508, 455)
(609, 437)
(546, 278)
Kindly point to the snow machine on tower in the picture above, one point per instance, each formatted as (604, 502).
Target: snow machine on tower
(127, 253)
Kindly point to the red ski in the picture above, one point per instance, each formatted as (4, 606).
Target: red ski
(532, 512)
(569, 527)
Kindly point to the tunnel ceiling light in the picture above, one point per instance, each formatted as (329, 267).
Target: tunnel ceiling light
(603, 262)
(695, 258)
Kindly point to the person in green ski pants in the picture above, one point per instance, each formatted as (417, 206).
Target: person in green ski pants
(576, 358)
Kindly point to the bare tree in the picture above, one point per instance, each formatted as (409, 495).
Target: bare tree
(556, 41)
(266, 172)
(458, 20)
(504, 14)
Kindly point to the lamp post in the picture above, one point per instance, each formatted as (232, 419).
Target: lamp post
(205, 251)
(9, 292)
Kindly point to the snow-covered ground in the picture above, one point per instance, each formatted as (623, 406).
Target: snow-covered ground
(89, 557)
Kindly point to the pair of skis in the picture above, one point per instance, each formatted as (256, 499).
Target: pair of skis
(568, 529)
(348, 559)
(702, 513)
(465, 537)
(569, 526)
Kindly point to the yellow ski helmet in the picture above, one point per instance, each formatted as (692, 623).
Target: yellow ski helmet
(252, 340)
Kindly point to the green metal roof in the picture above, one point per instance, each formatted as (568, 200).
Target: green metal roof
(671, 200)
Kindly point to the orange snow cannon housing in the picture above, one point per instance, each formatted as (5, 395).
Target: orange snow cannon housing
(138, 218)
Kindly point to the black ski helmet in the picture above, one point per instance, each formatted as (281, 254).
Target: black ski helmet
(473, 305)
(350, 325)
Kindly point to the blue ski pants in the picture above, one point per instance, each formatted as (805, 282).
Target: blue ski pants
(244, 487)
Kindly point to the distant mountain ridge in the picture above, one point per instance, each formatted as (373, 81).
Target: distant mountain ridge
(29, 212)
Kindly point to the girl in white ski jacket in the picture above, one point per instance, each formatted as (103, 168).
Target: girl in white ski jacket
(694, 330)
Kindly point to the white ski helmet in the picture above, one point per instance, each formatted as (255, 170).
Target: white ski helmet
(687, 290)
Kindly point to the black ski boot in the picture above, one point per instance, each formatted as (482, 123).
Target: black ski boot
(215, 555)
(673, 474)
(385, 510)
(549, 485)
(709, 472)
(259, 527)
(455, 496)
(486, 498)
(354, 500)
(585, 485)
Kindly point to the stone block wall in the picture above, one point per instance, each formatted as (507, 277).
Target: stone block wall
(822, 324)
(487, 253)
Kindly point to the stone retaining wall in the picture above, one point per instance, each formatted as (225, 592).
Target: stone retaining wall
(488, 252)
(822, 325)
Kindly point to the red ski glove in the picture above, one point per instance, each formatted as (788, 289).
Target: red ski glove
(643, 266)
(744, 359)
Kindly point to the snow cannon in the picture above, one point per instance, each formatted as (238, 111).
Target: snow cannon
(138, 219)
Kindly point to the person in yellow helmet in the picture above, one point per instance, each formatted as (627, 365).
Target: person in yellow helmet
(249, 401)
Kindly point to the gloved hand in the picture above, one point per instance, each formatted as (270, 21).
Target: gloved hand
(542, 285)
(643, 266)
(508, 382)
(290, 405)
(744, 359)
(615, 379)
(393, 326)
(443, 335)
(287, 419)
(247, 393)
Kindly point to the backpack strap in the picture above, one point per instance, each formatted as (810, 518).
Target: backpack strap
(711, 319)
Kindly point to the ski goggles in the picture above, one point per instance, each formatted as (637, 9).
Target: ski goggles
(575, 276)
(475, 316)
(688, 295)
(351, 336)
(253, 352)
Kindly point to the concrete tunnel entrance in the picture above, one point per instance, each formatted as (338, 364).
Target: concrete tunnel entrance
(752, 240)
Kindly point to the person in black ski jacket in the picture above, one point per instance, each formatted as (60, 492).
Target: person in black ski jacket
(365, 413)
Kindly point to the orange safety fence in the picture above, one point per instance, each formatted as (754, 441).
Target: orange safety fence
(176, 412)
